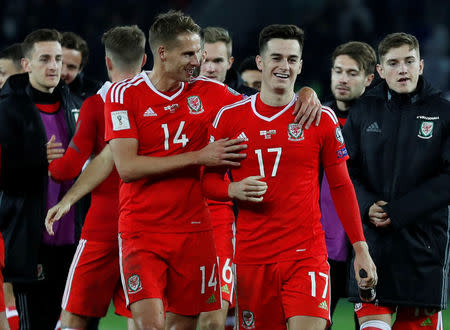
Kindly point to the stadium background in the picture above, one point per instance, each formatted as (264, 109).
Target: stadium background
(327, 23)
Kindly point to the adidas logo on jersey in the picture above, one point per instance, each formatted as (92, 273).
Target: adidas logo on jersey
(243, 136)
(150, 113)
(374, 128)
(323, 305)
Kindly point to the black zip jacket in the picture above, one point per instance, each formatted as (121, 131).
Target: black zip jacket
(399, 147)
(24, 175)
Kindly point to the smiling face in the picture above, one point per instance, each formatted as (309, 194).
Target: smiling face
(348, 81)
(183, 56)
(401, 68)
(44, 65)
(280, 64)
(71, 64)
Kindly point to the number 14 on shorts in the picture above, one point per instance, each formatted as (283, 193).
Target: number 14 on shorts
(212, 279)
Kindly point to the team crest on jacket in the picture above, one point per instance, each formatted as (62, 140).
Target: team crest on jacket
(195, 105)
(426, 130)
(295, 132)
(248, 320)
(134, 284)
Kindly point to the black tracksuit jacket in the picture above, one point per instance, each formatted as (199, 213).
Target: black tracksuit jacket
(399, 147)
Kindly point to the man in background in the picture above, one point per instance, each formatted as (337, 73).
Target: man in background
(10, 59)
(353, 66)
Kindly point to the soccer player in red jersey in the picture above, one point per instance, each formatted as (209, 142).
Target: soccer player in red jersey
(157, 125)
(281, 258)
(96, 262)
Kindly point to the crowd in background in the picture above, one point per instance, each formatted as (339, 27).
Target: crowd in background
(327, 23)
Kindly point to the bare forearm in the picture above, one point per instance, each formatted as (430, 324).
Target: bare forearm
(139, 167)
(94, 174)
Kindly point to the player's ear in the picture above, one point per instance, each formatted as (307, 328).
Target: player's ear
(258, 60)
(25, 63)
(109, 64)
(380, 70)
(162, 53)
(230, 62)
(144, 60)
(369, 79)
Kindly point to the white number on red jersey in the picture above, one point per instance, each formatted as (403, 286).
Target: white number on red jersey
(183, 140)
(259, 153)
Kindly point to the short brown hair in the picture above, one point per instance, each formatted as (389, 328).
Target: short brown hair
(72, 40)
(39, 36)
(213, 34)
(168, 26)
(125, 45)
(362, 53)
(13, 53)
(395, 40)
(280, 31)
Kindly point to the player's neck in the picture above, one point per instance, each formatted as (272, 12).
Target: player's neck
(343, 106)
(162, 82)
(119, 76)
(274, 99)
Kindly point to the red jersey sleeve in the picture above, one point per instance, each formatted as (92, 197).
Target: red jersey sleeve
(332, 149)
(120, 113)
(344, 199)
(224, 96)
(82, 145)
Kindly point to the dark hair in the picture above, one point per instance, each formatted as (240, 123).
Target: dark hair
(280, 31)
(395, 40)
(125, 45)
(39, 36)
(213, 34)
(72, 40)
(248, 63)
(168, 26)
(362, 53)
(13, 53)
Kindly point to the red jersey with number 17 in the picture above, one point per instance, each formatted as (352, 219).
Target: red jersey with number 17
(286, 224)
(164, 125)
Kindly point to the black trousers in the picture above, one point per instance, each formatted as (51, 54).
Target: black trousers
(39, 303)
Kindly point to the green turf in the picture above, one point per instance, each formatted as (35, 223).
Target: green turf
(343, 318)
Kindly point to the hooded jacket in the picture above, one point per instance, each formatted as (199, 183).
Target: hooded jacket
(24, 175)
(399, 147)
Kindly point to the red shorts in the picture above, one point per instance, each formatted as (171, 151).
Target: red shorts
(93, 280)
(226, 275)
(178, 268)
(268, 295)
(407, 318)
(223, 238)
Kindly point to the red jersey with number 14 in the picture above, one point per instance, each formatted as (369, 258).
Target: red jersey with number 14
(286, 225)
(164, 125)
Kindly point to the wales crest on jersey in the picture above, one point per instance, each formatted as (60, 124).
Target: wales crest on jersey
(295, 132)
(426, 130)
(195, 105)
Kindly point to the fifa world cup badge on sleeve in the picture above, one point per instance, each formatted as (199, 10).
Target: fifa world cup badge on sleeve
(120, 120)
(295, 132)
(195, 105)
